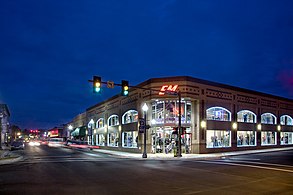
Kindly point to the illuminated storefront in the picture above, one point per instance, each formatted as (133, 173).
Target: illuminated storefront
(214, 118)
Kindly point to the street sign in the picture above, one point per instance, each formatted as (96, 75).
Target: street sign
(110, 84)
(141, 125)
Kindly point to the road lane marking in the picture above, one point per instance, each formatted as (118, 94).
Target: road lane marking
(245, 165)
(236, 158)
(261, 163)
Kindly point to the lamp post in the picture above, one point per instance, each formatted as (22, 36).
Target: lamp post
(145, 109)
(70, 127)
(91, 134)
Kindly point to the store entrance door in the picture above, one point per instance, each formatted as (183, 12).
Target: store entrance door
(163, 142)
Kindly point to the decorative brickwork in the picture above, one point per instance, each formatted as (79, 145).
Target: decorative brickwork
(219, 94)
(269, 103)
(246, 99)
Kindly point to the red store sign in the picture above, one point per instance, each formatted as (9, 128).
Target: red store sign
(168, 88)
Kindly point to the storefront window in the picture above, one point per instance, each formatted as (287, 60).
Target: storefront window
(246, 138)
(268, 138)
(286, 138)
(129, 139)
(268, 118)
(218, 139)
(100, 123)
(219, 114)
(167, 111)
(163, 141)
(130, 116)
(113, 139)
(246, 116)
(286, 120)
(100, 138)
(113, 120)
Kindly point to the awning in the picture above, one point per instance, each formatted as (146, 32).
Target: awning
(79, 131)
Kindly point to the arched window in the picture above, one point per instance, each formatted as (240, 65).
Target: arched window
(130, 116)
(91, 124)
(286, 120)
(113, 120)
(100, 123)
(268, 118)
(218, 113)
(246, 116)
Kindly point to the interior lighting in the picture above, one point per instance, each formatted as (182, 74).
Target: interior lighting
(279, 127)
(234, 125)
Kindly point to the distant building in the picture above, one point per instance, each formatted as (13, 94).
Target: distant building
(56, 132)
(4, 123)
(77, 127)
(215, 118)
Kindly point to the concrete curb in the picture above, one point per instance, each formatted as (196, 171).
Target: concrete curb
(190, 156)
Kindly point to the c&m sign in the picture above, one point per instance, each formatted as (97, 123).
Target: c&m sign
(168, 88)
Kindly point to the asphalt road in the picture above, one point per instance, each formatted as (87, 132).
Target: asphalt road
(47, 170)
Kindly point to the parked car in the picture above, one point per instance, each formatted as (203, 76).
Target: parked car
(15, 145)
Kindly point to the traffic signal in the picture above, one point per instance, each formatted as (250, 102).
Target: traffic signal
(125, 88)
(97, 84)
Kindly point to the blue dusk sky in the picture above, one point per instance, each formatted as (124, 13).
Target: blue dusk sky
(51, 48)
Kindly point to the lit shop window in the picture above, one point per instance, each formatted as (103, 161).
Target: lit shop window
(268, 118)
(246, 116)
(113, 120)
(130, 116)
(246, 138)
(100, 123)
(168, 111)
(218, 113)
(218, 139)
(286, 120)
(129, 139)
(268, 138)
(286, 138)
(113, 139)
(100, 139)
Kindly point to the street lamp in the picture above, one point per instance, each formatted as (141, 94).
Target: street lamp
(70, 127)
(91, 134)
(145, 109)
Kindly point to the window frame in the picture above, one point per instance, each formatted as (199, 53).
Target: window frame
(218, 107)
(283, 116)
(248, 111)
(274, 117)
(132, 115)
(112, 116)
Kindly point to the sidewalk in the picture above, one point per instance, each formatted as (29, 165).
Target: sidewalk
(189, 156)
(7, 157)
